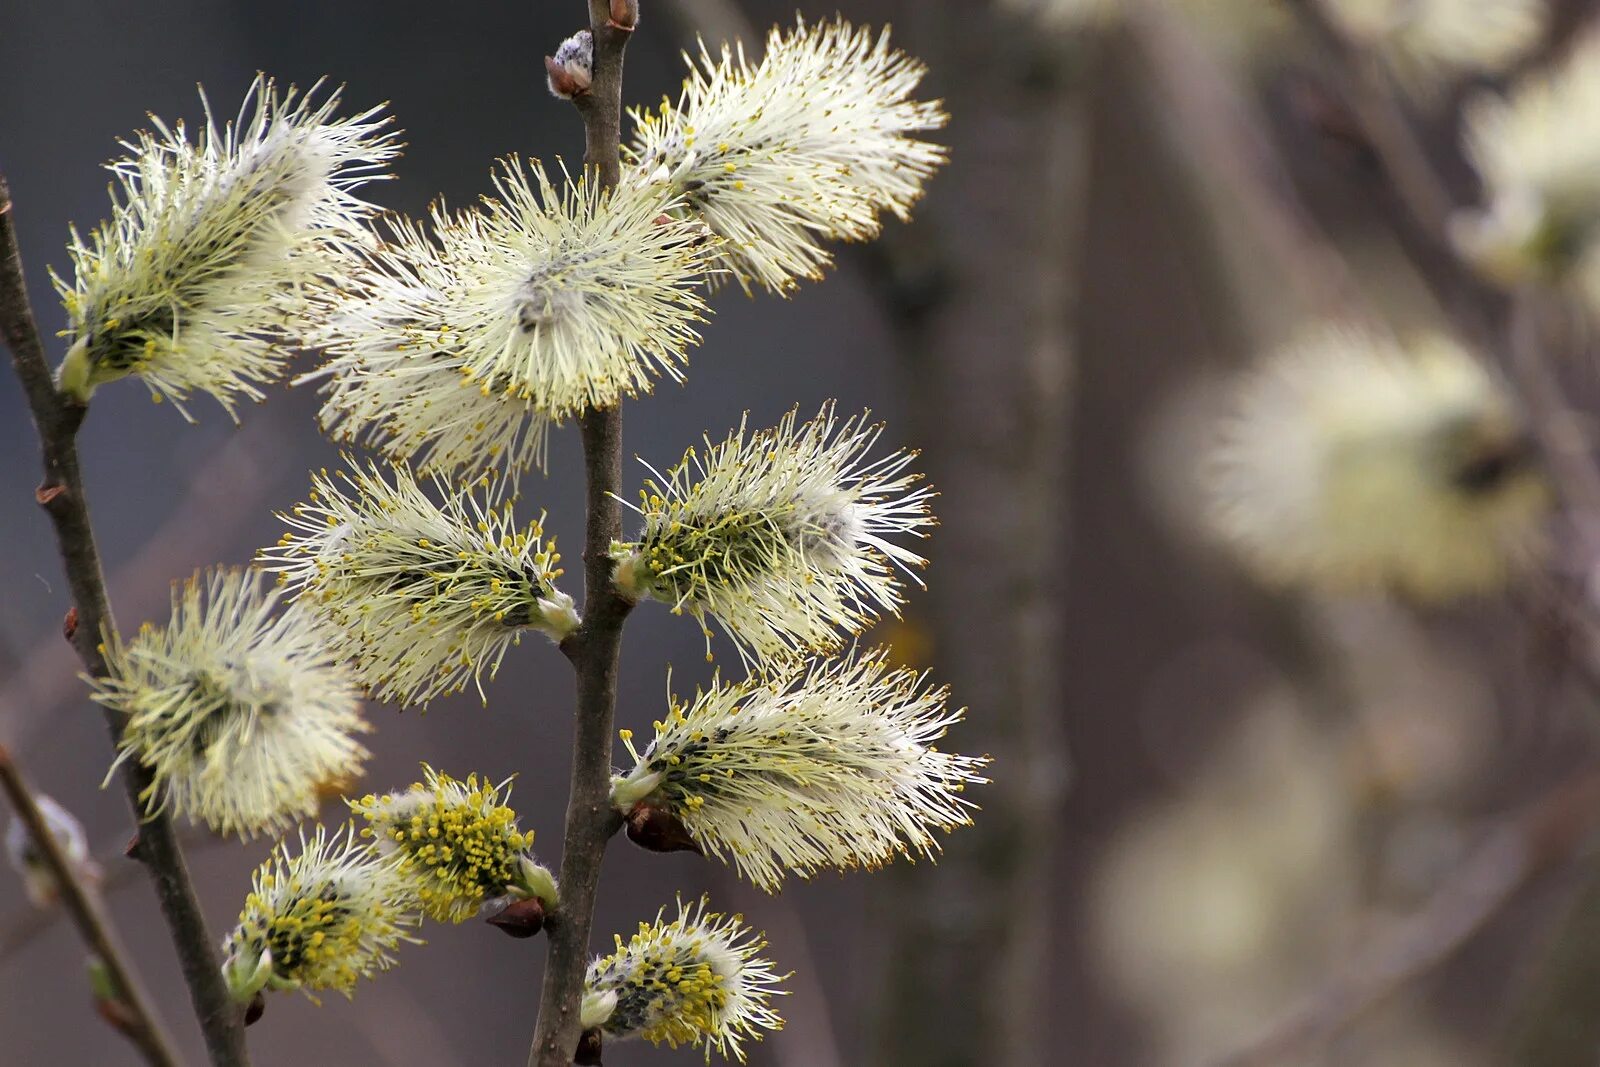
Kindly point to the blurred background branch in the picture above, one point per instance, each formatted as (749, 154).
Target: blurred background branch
(1548, 835)
(125, 1005)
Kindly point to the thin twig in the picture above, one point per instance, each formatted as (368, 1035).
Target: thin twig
(1367, 95)
(1545, 836)
(594, 648)
(136, 1016)
(1560, 440)
(1216, 126)
(219, 498)
(57, 420)
(19, 930)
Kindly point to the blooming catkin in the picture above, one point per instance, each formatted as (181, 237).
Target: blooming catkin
(457, 843)
(813, 142)
(1541, 177)
(458, 345)
(1353, 462)
(832, 765)
(202, 275)
(237, 706)
(698, 980)
(424, 597)
(780, 535)
(318, 919)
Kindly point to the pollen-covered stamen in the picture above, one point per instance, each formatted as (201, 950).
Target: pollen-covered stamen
(458, 843)
(318, 919)
(830, 766)
(782, 536)
(697, 980)
(237, 707)
(215, 246)
(425, 597)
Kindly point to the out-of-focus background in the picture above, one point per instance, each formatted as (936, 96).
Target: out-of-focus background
(1224, 823)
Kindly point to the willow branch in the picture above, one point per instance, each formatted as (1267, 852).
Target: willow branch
(1215, 124)
(61, 494)
(1367, 95)
(1544, 837)
(136, 1016)
(19, 930)
(217, 502)
(594, 647)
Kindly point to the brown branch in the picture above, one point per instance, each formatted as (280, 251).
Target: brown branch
(1218, 128)
(1544, 837)
(136, 1017)
(595, 646)
(61, 494)
(1560, 439)
(1367, 94)
(1553, 1023)
(219, 499)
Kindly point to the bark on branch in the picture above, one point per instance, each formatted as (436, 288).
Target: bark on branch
(594, 647)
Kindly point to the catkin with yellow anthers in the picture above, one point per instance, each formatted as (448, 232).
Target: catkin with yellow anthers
(1353, 462)
(831, 765)
(698, 980)
(237, 706)
(458, 844)
(815, 141)
(458, 344)
(319, 919)
(425, 597)
(204, 276)
(1540, 219)
(781, 535)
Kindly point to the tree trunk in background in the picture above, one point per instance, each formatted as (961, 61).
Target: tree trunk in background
(985, 324)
